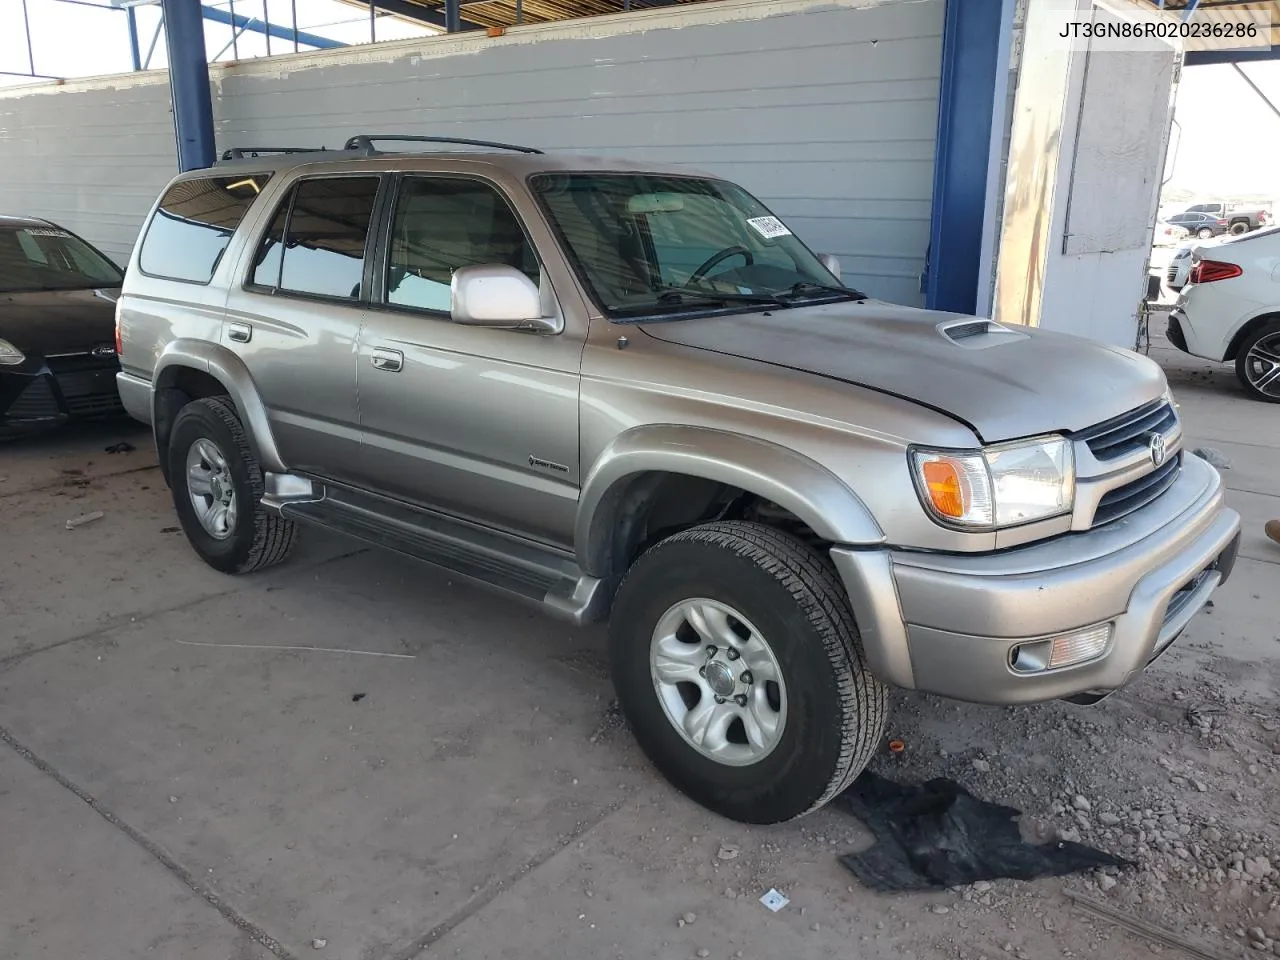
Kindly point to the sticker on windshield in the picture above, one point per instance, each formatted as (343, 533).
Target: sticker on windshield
(44, 232)
(769, 227)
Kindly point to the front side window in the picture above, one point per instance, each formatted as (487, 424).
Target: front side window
(325, 231)
(48, 258)
(193, 225)
(650, 244)
(443, 223)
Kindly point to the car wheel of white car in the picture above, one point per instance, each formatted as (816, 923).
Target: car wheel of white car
(217, 490)
(1258, 362)
(739, 668)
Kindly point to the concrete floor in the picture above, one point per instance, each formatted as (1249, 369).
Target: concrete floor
(179, 779)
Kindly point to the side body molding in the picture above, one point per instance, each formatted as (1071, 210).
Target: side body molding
(230, 371)
(801, 485)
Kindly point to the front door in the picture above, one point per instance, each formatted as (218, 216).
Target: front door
(296, 319)
(480, 423)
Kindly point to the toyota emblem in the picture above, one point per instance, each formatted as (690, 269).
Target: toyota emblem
(1158, 451)
(104, 350)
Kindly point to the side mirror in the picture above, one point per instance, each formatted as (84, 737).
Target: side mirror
(495, 295)
(831, 262)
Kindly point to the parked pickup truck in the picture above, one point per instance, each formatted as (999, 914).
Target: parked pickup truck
(1239, 219)
(629, 391)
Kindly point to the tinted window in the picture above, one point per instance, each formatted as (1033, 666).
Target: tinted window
(266, 264)
(49, 258)
(446, 223)
(327, 228)
(193, 225)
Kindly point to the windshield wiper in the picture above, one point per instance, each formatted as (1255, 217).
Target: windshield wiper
(812, 286)
(678, 295)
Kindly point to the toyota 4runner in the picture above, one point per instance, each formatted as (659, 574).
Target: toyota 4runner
(629, 392)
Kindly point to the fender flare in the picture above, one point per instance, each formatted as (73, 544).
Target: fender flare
(795, 482)
(229, 370)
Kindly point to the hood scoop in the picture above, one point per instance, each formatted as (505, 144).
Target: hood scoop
(978, 334)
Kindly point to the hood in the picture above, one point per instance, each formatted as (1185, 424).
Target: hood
(58, 321)
(1005, 382)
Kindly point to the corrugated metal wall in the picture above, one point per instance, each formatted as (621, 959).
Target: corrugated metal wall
(827, 113)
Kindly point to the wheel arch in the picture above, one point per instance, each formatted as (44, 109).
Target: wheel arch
(619, 487)
(1247, 328)
(190, 369)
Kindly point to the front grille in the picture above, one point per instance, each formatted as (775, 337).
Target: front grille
(36, 402)
(1136, 494)
(88, 384)
(1128, 433)
(1172, 274)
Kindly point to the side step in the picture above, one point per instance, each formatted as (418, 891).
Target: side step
(520, 569)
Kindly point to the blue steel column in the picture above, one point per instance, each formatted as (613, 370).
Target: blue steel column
(132, 17)
(189, 83)
(966, 105)
(452, 16)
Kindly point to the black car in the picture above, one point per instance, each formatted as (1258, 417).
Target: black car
(1199, 224)
(57, 327)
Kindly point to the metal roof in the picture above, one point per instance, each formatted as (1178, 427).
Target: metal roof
(507, 13)
(1226, 11)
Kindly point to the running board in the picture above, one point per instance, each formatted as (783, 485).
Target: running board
(520, 569)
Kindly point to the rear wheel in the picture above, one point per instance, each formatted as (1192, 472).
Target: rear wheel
(1239, 227)
(1204, 233)
(1258, 363)
(217, 491)
(738, 665)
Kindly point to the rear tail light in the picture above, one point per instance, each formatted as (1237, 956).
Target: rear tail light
(1207, 271)
(1222, 223)
(119, 341)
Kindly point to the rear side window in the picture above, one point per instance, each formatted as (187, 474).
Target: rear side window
(316, 242)
(193, 225)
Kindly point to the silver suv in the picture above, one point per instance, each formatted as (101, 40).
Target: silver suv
(629, 392)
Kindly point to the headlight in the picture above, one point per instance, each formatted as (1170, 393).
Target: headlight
(9, 354)
(999, 486)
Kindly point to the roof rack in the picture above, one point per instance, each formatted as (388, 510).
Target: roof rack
(239, 153)
(364, 142)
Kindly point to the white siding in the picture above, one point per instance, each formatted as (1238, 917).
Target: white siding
(827, 112)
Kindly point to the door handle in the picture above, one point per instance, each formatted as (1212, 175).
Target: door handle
(239, 332)
(389, 360)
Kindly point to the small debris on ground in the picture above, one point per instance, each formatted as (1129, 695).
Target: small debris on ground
(168, 529)
(689, 917)
(122, 447)
(774, 900)
(727, 851)
(357, 697)
(319, 944)
(82, 520)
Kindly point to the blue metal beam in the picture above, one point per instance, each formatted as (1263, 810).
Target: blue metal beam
(971, 56)
(189, 83)
(240, 22)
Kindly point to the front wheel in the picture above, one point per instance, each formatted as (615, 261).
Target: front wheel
(217, 488)
(1258, 363)
(739, 668)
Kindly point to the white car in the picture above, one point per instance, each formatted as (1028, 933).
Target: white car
(1178, 270)
(1230, 309)
(1167, 234)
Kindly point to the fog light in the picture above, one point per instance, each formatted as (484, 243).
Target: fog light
(1068, 649)
(1079, 646)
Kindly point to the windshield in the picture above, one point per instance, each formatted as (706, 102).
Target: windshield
(46, 258)
(647, 245)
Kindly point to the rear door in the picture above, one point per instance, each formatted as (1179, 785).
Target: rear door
(295, 316)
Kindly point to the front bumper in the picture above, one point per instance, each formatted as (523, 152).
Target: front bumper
(48, 393)
(950, 624)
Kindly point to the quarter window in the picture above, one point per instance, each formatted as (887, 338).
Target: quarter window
(445, 223)
(326, 233)
(193, 225)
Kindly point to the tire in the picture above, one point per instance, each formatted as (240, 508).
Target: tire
(1204, 233)
(253, 538)
(1253, 365)
(1238, 228)
(786, 594)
